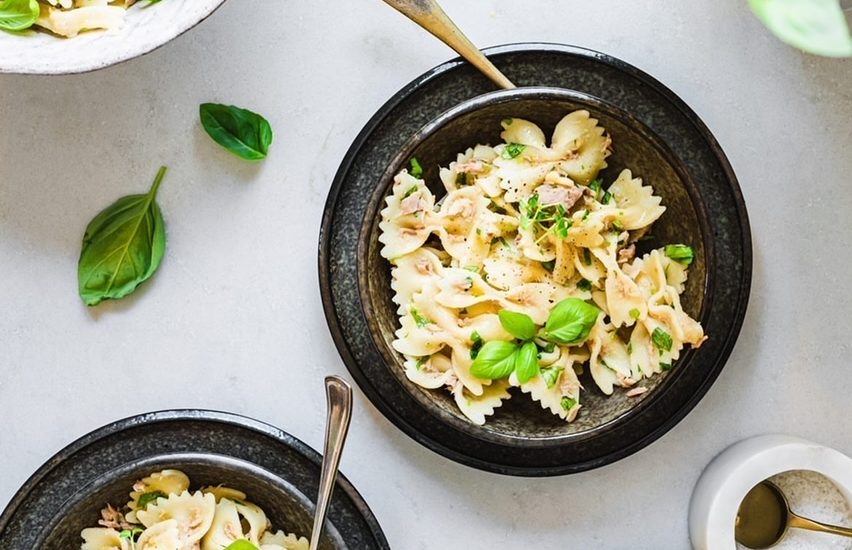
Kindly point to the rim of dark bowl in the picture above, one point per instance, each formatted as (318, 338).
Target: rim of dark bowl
(379, 193)
(181, 460)
(178, 415)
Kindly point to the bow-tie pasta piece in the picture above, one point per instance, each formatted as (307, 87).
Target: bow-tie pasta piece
(160, 536)
(281, 540)
(193, 514)
(102, 538)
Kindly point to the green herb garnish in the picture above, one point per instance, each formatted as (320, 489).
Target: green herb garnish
(122, 247)
(519, 325)
(595, 185)
(411, 190)
(496, 359)
(147, 498)
(665, 366)
(416, 170)
(477, 344)
(570, 321)
(635, 313)
(662, 339)
(681, 253)
(568, 403)
(18, 15)
(584, 284)
(242, 132)
(419, 319)
(551, 375)
(544, 218)
(512, 150)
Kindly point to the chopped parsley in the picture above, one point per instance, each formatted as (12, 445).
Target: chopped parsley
(635, 313)
(418, 317)
(617, 225)
(147, 498)
(416, 169)
(662, 339)
(507, 122)
(512, 150)
(665, 366)
(420, 362)
(584, 284)
(607, 198)
(477, 344)
(681, 253)
(595, 185)
(568, 403)
(551, 375)
(411, 190)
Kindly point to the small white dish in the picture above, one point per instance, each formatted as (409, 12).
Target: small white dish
(726, 480)
(145, 28)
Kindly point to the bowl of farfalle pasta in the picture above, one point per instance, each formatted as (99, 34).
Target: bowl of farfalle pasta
(534, 268)
(73, 36)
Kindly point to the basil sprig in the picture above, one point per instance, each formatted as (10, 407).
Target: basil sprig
(815, 26)
(18, 15)
(569, 323)
(241, 544)
(242, 132)
(122, 247)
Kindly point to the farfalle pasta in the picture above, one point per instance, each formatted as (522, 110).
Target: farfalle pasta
(525, 273)
(163, 514)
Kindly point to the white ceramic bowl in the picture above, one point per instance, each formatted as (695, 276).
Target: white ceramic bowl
(145, 28)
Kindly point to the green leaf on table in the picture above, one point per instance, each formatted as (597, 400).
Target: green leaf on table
(241, 544)
(526, 362)
(681, 253)
(519, 325)
(496, 359)
(122, 247)
(18, 15)
(570, 321)
(815, 26)
(240, 131)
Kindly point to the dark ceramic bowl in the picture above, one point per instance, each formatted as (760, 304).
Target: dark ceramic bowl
(521, 422)
(705, 207)
(276, 471)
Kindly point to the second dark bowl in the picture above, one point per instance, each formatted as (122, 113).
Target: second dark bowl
(521, 422)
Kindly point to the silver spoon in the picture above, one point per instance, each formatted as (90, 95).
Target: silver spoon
(429, 15)
(338, 395)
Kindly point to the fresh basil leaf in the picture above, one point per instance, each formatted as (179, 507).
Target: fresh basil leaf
(122, 247)
(570, 321)
(18, 15)
(661, 339)
(416, 170)
(551, 375)
(506, 122)
(568, 403)
(477, 344)
(584, 284)
(526, 362)
(512, 150)
(519, 325)
(681, 253)
(147, 498)
(815, 26)
(241, 544)
(495, 360)
(240, 131)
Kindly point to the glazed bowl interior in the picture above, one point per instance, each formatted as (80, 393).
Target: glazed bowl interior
(286, 507)
(145, 28)
(521, 421)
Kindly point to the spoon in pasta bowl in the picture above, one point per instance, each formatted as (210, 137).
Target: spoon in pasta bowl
(429, 15)
(339, 402)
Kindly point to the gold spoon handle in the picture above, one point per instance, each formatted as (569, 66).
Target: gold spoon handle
(429, 15)
(805, 523)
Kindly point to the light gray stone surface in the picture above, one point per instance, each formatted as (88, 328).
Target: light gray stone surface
(233, 319)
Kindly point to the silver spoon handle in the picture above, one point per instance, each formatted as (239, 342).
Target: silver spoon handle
(339, 401)
(429, 15)
(805, 523)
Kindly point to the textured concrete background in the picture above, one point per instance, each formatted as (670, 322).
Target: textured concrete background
(233, 318)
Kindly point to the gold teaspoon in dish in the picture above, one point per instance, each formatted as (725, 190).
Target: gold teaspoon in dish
(429, 15)
(764, 517)
(339, 398)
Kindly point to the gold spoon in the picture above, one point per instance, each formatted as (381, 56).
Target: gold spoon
(765, 516)
(429, 15)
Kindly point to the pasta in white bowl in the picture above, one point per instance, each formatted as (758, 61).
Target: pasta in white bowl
(525, 273)
(163, 514)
